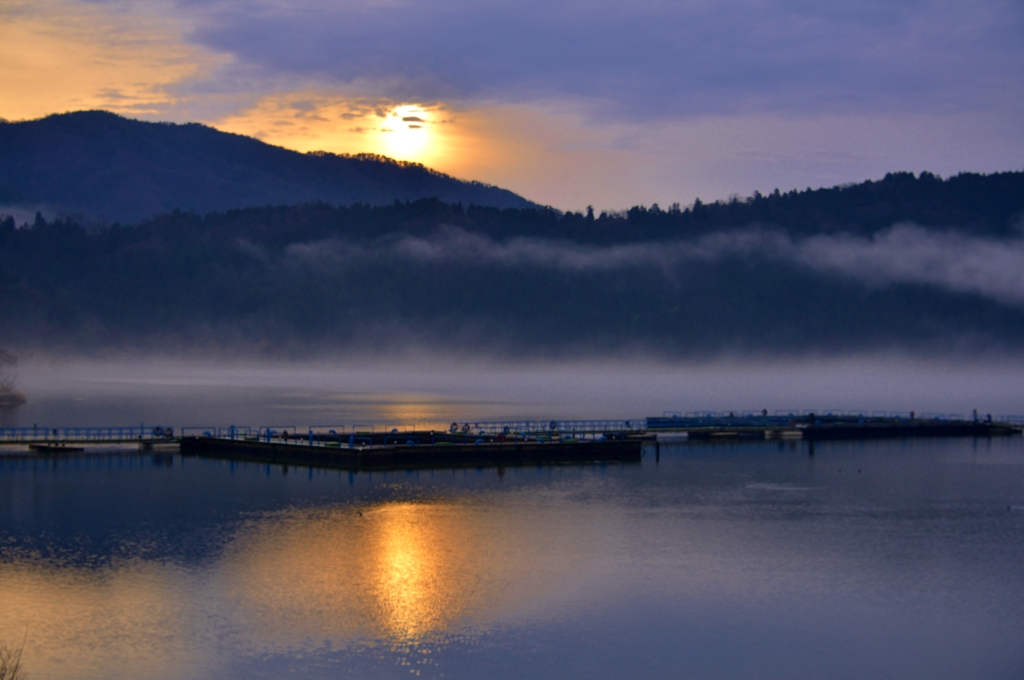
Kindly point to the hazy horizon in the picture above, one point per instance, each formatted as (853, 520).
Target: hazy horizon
(434, 391)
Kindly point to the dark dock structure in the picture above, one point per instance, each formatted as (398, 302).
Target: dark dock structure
(829, 426)
(405, 456)
(500, 444)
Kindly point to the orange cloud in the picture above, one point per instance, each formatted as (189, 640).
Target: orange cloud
(60, 56)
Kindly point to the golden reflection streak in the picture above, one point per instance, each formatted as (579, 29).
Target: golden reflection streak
(397, 571)
(415, 586)
(394, 571)
(422, 413)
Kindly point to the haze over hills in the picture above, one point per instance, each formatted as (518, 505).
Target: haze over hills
(108, 168)
(908, 263)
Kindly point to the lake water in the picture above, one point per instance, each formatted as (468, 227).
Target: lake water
(865, 560)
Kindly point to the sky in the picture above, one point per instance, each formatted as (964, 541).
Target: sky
(568, 103)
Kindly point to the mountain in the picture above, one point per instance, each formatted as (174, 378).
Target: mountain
(911, 263)
(108, 168)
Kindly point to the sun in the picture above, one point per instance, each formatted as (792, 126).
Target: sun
(407, 133)
(314, 121)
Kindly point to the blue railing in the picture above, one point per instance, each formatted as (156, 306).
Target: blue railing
(85, 434)
(677, 420)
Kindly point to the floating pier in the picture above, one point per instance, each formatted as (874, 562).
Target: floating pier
(827, 427)
(410, 456)
(500, 444)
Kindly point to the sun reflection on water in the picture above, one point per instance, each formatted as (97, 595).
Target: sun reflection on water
(415, 581)
(408, 569)
(397, 571)
(400, 570)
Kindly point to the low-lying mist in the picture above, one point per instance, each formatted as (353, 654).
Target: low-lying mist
(751, 291)
(902, 254)
(433, 391)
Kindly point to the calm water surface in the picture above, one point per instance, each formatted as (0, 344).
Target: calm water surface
(865, 560)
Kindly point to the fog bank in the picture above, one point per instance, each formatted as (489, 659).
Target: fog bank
(435, 392)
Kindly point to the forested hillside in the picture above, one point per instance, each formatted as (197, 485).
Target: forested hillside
(108, 168)
(910, 263)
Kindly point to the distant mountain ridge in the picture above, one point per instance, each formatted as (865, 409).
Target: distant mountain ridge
(109, 168)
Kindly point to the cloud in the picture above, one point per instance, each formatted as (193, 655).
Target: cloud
(641, 60)
(903, 254)
(59, 55)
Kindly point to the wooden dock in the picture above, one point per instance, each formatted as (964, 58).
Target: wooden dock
(412, 457)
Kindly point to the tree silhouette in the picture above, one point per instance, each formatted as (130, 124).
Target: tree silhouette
(9, 396)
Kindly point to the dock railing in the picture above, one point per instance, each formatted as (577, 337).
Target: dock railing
(38, 434)
(676, 420)
(547, 428)
(365, 435)
(503, 430)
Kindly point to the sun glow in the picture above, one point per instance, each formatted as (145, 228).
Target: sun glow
(317, 121)
(409, 132)
(536, 153)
